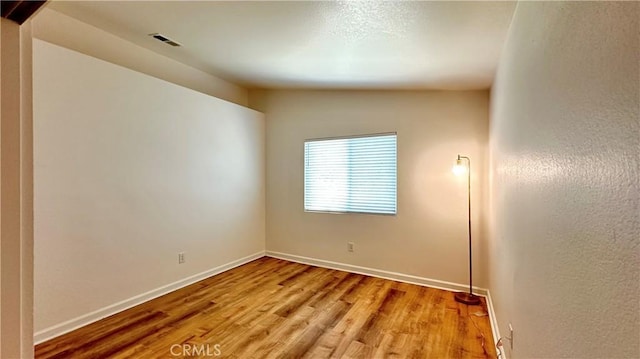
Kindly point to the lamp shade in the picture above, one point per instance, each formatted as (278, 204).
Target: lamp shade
(459, 168)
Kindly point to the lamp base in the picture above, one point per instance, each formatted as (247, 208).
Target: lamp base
(467, 298)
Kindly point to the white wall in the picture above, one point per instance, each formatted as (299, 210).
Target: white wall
(565, 142)
(428, 237)
(129, 171)
(63, 30)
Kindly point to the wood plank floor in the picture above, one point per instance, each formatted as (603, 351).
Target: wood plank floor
(272, 308)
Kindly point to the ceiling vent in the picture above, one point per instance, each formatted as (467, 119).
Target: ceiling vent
(164, 39)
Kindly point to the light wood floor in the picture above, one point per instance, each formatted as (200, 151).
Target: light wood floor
(272, 308)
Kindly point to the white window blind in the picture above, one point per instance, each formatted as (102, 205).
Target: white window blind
(356, 174)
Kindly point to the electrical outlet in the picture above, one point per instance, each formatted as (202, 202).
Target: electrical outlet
(511, 335)
(350, 246)
(181, 258)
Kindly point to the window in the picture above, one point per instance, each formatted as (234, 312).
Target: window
(355, 174)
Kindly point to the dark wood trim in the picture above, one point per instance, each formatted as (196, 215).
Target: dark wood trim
(19, 11)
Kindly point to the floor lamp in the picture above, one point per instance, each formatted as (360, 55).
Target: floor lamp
(459, 169)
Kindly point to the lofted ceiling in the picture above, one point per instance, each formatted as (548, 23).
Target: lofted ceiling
(317, 44)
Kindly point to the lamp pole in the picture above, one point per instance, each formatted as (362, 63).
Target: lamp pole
(462, 297)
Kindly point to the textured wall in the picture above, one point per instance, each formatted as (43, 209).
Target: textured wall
(428, 236)
(565, 142)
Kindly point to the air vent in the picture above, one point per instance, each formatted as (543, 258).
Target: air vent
(164, 39)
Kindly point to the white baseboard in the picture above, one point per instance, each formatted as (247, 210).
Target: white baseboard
(427, 282)
(495, 330)
(65, 327)
(400, 277)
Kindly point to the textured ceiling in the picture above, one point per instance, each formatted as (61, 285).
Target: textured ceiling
(336, 44)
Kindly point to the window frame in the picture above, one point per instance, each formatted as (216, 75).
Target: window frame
(346, 137)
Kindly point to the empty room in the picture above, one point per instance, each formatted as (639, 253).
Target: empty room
(319, 179)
